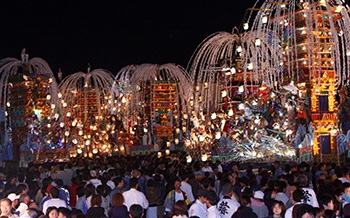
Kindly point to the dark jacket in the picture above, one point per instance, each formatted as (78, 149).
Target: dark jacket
(244, 212)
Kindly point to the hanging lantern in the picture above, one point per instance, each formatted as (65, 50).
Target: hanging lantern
(167, 152)
(188, 159)
(264, 19)
(245, 26)
(204, 157)
(217, 135)
(230, 112)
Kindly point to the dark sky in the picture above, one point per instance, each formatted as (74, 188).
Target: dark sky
(115, 33)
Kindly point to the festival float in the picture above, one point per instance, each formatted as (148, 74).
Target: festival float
(86, 101)
(30, 110)
(273, 87)
(310, 38)
(153, 107)
(246, 121)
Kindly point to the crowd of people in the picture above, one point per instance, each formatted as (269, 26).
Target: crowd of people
(151, 187)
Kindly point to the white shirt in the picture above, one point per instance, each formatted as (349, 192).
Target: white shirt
(227, 207)
(213, 212)
(22, 209)
(207, 169)
(311, 197)
(56, 202)
(134, 196)
(187, 188)
(289, 211)
(344, 179)
(198, 209)
(95, 182)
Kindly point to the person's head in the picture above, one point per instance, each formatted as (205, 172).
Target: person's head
(33, 213)
(227, 190)
(119, 182)
(346, 186)
(269, 194)
(326, 202)
(5, 206)
(303, 211)
(54, 193)
(322, 166)
(96, 200)
(135, 211)
(298, 195)
(64, 212)
(245, 201)
(278, 208)
(202, 195)
(212, 199)
(276, 164)
(177, 184)
(319, 213)
(21, 189)
(134, 182)
(14, 199)
(80, 191)
(180, 208)
(118, 199)
(281, 186)
(259, 195)
(90, 190)
(292, 187)
(52, 212)
(135, 173)
(302, 180)
(24, 198)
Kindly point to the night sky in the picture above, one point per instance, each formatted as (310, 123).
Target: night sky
(113, 34)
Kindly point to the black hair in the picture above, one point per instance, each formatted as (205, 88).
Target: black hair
(136, 211)
(133, 182)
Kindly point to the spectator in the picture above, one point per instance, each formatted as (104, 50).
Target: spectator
(119, 210)
(326, 202)
(81, 201)
(277, 169)
(136, 211)
(310, 195)
(245, 210)
(5, 207)
(54, 200)
(228, 205)
(303, 210)
(206, 167)
(73, 191)
(278, 210)
(298, 198)
(212, 200)
(180, 209)
(174, 196)
(93, 179)
(52, 212)
(133, 196)
(258, 205)
(199, 207)
(23, 204)
(95, 210)
(64, 212)
(90, 190)
(281, 192)
(186, 187)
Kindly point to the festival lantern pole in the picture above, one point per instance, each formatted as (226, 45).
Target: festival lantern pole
(86, 102)
(156, 99)
(309, 36)
(29, 107)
